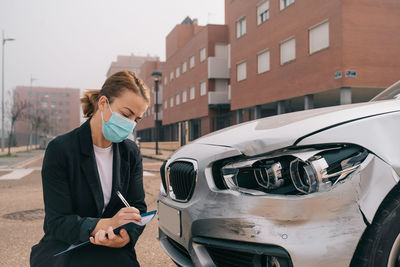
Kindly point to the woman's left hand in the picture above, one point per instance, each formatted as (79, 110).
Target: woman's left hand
(109, 239)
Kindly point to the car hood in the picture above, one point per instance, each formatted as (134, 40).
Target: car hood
(271, 133)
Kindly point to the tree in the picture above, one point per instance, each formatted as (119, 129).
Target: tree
(17, 111)
(39, 121)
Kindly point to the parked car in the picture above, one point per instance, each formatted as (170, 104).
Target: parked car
(312, 188)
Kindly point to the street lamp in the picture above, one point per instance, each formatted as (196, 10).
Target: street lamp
(156, 76)
(2, 88)
(31, 122)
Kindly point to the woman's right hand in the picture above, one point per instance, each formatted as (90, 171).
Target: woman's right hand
(124, 216)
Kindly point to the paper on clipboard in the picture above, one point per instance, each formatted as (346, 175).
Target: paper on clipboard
(146, 218)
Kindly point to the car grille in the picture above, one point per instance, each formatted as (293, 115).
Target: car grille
(181, 178)
(162, 174)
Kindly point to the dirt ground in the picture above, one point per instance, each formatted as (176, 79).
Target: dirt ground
(20, 233)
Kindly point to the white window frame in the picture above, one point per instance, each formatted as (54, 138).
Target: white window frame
(238, 77)
(184, 96)
(171, 76)
(310, 39)
(177, 72)
(184, 66)
(203, 88)
(171, 101)
(192, 62)
(241, 27)
(285, 3)
(262, 15)
(177, 99)
(202, 54)
(192, 93)
(259, 68)
(280, 48)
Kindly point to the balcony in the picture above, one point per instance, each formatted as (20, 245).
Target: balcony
(218, 68)
(218, 98)
(159, 98)
(160, 116)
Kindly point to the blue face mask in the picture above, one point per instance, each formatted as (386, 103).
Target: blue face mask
(117, 128)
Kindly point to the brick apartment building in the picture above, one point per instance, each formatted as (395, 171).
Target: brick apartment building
(290, 55)
(131, 63)
(60, 107)
(276, 56)
(146, 127)
(196, 80)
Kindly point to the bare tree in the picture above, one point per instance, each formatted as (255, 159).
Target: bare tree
(39, 123)
(17, 111)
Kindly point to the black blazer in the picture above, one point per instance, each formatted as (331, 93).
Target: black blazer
(73, 200)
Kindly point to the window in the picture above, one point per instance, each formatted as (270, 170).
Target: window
(241, 27)
(241, 71)
(319, 37)
(44, 104)
(171, 102)
(171, 76)
(177, 72)
(285, 3)
(184, 67)
(192, 93)
(263, 61)
(288, 51)
(165, 104)
(165, 80)
(191, 62)
(177, 99)
(203, 88)
(202, 54)
(262, 12)
(184, 96)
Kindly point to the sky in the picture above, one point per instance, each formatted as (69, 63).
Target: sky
(71, 43)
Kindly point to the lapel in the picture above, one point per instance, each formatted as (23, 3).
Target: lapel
(88, 165)
(120, 171)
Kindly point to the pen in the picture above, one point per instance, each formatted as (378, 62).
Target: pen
(123, 199)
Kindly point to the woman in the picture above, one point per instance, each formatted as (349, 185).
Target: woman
(82, 171)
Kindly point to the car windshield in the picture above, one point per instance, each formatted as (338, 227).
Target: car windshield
(392, 92)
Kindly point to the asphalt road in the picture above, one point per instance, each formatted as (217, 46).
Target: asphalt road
(21, 216)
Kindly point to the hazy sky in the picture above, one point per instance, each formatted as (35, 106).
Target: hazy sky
(71, 43)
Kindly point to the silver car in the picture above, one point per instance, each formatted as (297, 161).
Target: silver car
(312, 188)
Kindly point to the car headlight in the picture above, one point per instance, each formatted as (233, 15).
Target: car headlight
(302, 171)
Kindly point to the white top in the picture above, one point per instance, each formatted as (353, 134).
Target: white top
(104, 161)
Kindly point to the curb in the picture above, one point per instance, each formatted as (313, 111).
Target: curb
(152, 157)
(151, 170)
(26, 162)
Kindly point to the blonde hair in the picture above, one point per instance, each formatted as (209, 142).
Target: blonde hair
(112, 88)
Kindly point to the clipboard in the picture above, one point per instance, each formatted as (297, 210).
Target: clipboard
(146, 218)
